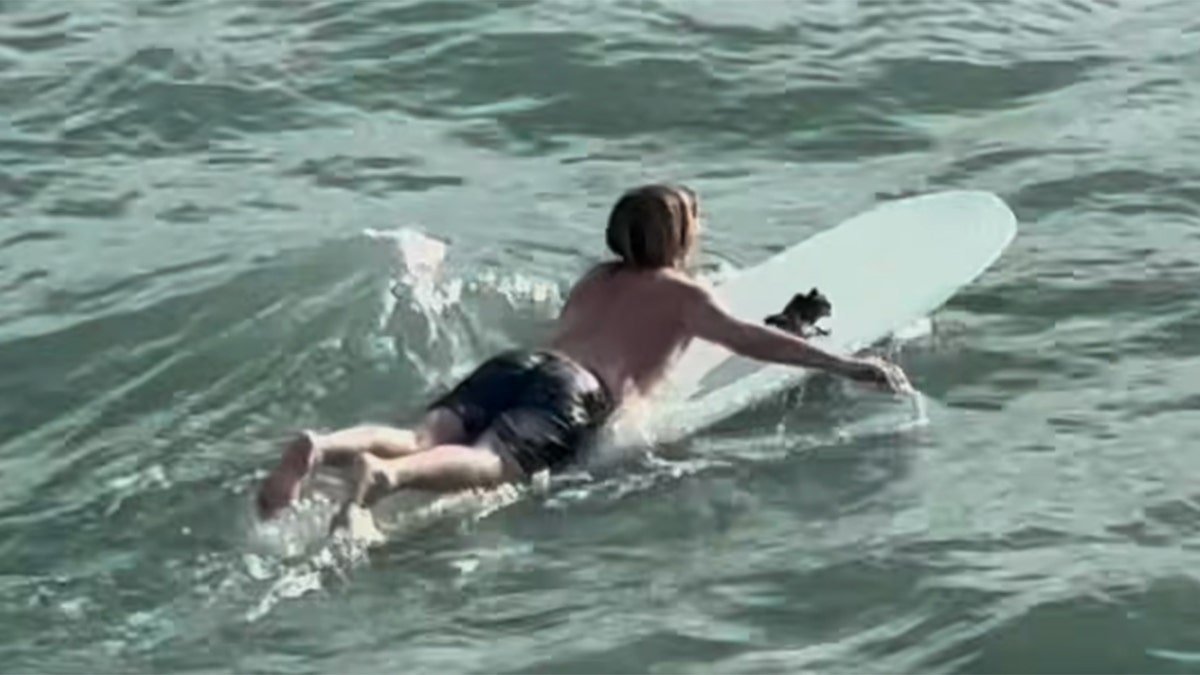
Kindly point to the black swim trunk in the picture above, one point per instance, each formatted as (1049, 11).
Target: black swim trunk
(541, 406)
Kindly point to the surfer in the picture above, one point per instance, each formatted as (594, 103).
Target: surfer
(623, 325)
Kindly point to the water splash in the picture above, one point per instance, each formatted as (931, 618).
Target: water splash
(444, 318)
(417, 263)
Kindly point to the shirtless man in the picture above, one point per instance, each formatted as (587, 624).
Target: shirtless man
(624, 324)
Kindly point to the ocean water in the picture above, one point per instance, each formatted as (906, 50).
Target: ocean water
(199, 209)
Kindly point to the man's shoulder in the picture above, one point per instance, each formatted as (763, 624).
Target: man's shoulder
(686, 283)
(675, 282)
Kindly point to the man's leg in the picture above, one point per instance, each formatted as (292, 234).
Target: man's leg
(440, 426)
(340, 448)
(445, 468)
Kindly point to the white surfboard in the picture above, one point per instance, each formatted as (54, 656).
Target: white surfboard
(881, 270)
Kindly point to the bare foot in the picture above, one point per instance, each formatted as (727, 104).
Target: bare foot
(367, 483)
(359, 524)
(282, 485)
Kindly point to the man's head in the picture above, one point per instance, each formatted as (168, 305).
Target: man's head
(654, 226)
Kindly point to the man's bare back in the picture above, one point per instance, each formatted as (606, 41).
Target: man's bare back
(625, 325)
(628, 326)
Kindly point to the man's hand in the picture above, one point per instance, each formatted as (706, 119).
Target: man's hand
(875, 371)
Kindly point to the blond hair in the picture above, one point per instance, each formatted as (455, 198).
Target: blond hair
(653, 226)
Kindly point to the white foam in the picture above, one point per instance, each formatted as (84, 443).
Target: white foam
(916, 330)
